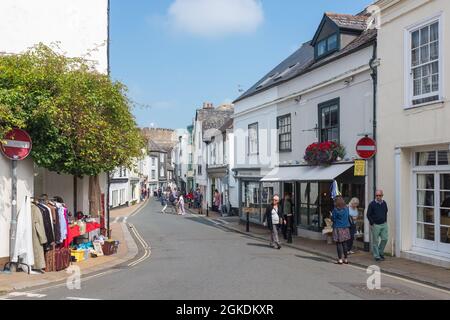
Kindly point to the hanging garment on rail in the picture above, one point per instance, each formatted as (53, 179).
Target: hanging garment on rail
(62, 222)
(23, 249)
(39, 237)
(46, 217)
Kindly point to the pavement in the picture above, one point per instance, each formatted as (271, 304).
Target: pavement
(193, 257)
(15, 281)
(407, 269)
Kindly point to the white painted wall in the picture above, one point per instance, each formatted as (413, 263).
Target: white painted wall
(411, 129)
(24, 188)
(79, 26)
(355, 112)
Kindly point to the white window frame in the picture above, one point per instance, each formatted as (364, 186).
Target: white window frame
(255, 144)
(409, 79)
(422, 244)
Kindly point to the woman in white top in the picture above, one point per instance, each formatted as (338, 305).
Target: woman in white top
(272, 219)
(181, 205)
(354, 213)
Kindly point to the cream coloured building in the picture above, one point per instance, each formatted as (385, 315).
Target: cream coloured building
(414, 126)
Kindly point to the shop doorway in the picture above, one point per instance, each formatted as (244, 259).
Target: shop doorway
(432, 211)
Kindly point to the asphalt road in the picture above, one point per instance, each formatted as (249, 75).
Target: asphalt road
(191, 258)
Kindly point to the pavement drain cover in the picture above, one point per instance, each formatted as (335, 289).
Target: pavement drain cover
(386, 292)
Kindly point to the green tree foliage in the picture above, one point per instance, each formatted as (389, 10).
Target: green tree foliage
(80, 121)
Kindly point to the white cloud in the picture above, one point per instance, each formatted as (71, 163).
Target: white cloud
(215, 18)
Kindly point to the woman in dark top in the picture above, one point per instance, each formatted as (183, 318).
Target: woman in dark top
(341, 228)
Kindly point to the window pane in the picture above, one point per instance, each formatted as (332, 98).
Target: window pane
(334, 116)
(321, 47)
(426, 85)
(425, 215)
(445, 199)
(434, 32)
(417, 87)
(415, 57)
(434, 50)
(445, 181)
(445, 234)
(424, 35)
(332, 42)
(424, 54)
(417, 73)
(335, 134)
(425, 232)
(426, 70)
(425, 181)
(425, 198)
(435, 83)
(435, 68)
(415, 41)
(426, 158)
(443, 158)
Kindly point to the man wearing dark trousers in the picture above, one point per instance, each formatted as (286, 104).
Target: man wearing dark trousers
(377, 216)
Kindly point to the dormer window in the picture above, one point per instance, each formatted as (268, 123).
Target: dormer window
(327, 46)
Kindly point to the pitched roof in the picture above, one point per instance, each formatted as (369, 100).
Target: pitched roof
(348, 21)
(287, 69)
(154, 147)
(367, 37)
(213, 118)
(306, 63)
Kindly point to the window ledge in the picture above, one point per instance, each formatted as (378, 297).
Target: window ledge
(438, 103)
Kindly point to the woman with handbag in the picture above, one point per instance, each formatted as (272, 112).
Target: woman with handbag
(272, 219)
(341, 228)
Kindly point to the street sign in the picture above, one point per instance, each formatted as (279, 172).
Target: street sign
(360, 168)
(16, 145)
(366, 148)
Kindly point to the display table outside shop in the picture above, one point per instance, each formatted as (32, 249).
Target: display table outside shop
(74, 231)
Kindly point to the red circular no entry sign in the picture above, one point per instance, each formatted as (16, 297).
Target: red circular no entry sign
(366, 148)
(16, 145)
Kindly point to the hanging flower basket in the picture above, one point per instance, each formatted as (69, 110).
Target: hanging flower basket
(324, 154)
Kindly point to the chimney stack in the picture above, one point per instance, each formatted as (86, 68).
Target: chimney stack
(208, 105)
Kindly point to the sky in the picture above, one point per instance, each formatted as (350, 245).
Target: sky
(173, 55)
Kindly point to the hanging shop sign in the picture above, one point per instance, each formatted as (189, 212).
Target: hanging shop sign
(360, 168)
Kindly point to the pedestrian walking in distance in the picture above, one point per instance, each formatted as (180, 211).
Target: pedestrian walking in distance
(164, 201)
(181, 205)
(377, 216)
(341, 228)
(272, 220)
(354, 213)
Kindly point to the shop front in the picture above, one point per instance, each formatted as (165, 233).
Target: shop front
(431, 199)
(310, 191)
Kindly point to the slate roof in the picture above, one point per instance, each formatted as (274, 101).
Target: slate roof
(303, 60)
(213, 118)
(154, 147)
(348, 21)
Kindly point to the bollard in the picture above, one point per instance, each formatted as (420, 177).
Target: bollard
(248, 222)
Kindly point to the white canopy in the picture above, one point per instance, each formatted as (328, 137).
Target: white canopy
(307, 173)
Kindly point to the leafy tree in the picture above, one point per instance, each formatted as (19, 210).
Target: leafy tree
(80, 121)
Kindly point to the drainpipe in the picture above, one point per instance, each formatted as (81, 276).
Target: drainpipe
(374, 75)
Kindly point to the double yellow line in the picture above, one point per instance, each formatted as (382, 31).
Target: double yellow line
(145, 246)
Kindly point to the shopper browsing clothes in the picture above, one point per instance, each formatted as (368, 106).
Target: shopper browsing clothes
(353, 211)
(341, 228)
(377, 216)
(272, 220)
